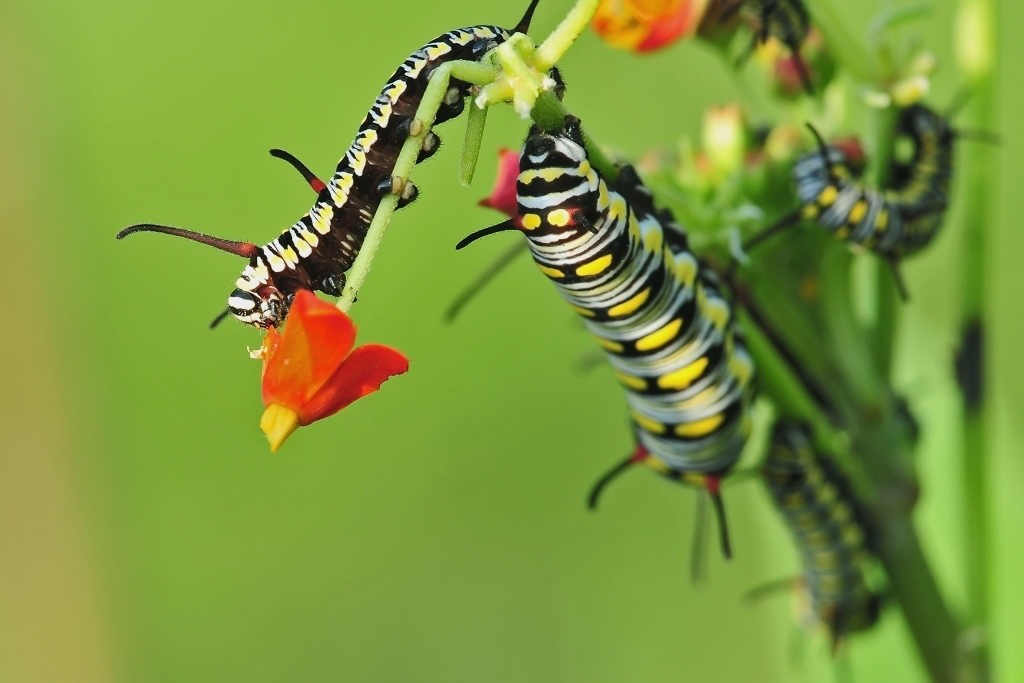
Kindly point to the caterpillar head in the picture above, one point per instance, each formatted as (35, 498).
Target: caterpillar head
(263, 308)
(556, 189)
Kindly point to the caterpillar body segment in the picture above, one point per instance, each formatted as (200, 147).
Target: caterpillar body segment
(316, 251)
(829, 529)
(666, 330)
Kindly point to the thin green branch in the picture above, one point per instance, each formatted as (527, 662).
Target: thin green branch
(977, 47)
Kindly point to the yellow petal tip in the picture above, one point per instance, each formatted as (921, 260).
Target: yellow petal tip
(278, 423)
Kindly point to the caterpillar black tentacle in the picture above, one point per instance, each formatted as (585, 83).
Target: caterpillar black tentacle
(320, 247)
(829, 528)
(623, 266)
(311, 178)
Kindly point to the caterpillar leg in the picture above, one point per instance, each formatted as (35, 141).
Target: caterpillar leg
(481, 280)
(637, 457)
(901, 285)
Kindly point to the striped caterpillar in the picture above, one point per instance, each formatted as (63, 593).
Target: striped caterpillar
(320, 247)
(823, 517)
(626, 269)
(893, 222)
(785, 20)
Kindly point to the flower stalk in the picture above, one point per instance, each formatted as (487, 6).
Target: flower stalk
(977, 47)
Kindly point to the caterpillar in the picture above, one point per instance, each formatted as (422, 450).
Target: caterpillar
(321, 246)
(625, 267)
(785, 20)
(829, 529)
(893, 222)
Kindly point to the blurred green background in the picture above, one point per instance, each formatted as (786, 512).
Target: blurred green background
(436, 531)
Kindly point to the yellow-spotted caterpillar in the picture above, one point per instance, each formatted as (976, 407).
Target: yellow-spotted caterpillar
(315, 252)
(625, 267)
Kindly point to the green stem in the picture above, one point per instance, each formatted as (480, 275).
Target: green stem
(792, 399)
(887, 304)
(471, 72)
(565, 34)
(977, 47)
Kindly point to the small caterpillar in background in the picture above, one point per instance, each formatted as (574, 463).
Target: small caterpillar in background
(785, 20)
(823, 518)
(670, 337)
(894, 222)
(315, 252)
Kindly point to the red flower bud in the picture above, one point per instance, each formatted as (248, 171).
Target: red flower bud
(503, 196)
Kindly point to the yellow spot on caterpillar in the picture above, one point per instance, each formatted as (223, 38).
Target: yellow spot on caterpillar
(382, 115)
(828, 195)
(703, 398)
(652, 426)
(321, 218)
(686, 269)
(657, 465)
(549, 174)
(551, 272)
(700, 428)
(882, 220)
(559, 218)
(857, 212)
(301, 246)
(308, 236)
(684, 376)
(635, 383)
(630, 306)
(618, 206)
(358, 159)
(610, 345)
(585, 312)
(810, 212)
(530, 221)
(602, 196)
(659, 338)
(395, 91)
(277, 264)
(842, 233)
(289, 256)
(584, 167)
(595, 267)
(416, 67)
(437, 50)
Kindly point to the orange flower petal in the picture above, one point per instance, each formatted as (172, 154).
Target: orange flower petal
(316, 339)
(646, 25)
(503, 196)
(361, 374)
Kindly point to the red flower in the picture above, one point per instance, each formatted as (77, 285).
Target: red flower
(646, 25)
(311, 371)
(503, 196)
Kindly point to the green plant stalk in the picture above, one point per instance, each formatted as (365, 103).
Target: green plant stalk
(791, 399)
(471, 72)
(977, 47)
(887, 303)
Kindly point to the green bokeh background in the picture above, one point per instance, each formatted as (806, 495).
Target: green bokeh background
(436, 531)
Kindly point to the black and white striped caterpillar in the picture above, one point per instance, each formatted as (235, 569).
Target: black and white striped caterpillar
(828, 527)
(893, 222)
(670, 337)
(785, 20)
(315, 252)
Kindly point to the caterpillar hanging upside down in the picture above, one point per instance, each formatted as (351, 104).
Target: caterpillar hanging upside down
(320, 247)
(785, 20)
(892, 222)
(670, 337)
(829, 530)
